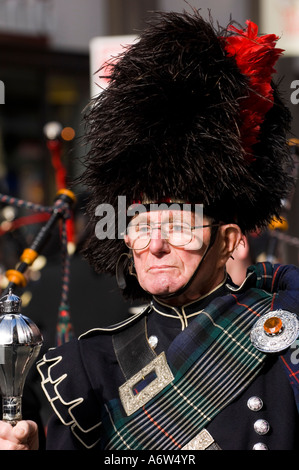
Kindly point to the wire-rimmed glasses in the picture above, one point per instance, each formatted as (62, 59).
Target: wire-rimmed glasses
(176, 233)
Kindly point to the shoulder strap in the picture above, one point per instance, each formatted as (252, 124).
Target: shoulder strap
(132, 348)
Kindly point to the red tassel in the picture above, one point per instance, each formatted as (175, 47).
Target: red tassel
(64, 328)
(255, 57)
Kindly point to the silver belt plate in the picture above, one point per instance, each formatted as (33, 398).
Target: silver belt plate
(134, 401)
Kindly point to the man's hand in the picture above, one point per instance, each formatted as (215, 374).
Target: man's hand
(23, 436)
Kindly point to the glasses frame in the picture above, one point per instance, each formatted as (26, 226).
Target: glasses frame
(159, 228)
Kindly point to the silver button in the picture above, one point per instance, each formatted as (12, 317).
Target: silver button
(255, 403)
(261, 427)
(153, 341)
(260, 446)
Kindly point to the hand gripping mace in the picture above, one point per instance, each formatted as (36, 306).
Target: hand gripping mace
(20, 338)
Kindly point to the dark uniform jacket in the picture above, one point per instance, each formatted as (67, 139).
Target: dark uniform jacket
(256, 408)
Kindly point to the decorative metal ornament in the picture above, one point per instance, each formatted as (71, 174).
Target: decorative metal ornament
(261, 427)
(20, 343)
(153, 341)
(260, 446)
(202, 441)
(255, 403)
(275, 331)
(131, 401)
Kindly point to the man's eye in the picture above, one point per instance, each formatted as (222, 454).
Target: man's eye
(142, 228)
(176, 227)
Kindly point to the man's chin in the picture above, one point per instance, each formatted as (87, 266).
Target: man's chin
(161, 290)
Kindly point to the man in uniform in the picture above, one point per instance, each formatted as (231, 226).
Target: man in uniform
(191, 120)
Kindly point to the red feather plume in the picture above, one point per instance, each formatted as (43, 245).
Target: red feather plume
(255, 57)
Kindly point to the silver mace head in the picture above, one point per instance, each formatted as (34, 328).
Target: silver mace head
(20, 343)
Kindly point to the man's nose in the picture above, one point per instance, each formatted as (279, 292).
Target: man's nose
(158, 241)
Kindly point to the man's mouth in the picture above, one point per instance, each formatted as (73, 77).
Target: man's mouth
(163, 267)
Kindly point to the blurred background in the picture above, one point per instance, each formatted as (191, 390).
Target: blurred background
(49, 53)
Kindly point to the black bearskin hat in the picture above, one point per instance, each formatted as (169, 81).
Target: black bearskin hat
(190, 113)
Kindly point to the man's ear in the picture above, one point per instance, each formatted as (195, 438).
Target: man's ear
(230, 237)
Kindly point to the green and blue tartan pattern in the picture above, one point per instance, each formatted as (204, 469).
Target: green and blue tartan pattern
(212, 361)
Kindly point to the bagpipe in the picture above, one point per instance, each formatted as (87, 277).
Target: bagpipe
(277, 232)
(20, 338)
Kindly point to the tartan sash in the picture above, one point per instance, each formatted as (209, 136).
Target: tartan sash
(212, 361)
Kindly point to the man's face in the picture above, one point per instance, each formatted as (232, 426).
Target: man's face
(163, 268)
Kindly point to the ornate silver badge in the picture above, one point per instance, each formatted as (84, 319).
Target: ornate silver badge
(133, 401)
(275, 331)
(202, 441)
